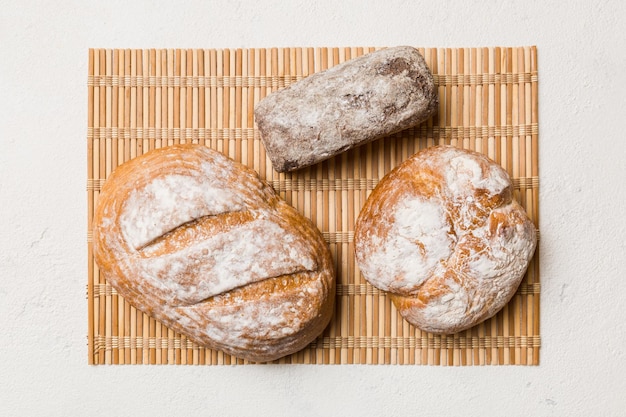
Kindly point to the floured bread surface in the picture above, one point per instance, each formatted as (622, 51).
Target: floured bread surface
(200, 243)
(345, 106)
(443, 235)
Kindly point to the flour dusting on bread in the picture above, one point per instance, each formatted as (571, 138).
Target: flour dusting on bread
(203, 245)
(444, 236)
(419, 240)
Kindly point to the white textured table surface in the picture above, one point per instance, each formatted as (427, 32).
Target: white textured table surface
(43, 353)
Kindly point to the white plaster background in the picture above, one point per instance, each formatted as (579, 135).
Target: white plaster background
(43, 97)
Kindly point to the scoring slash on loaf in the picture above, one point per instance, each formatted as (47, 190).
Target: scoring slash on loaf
(350, 104)
(443, 235)
(199, 242)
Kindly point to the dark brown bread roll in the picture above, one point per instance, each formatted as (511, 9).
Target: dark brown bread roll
(200, 243)
(347, 105)
(444, 236)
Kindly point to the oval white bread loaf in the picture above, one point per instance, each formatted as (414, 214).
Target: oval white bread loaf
(200, 243)
(443, 235)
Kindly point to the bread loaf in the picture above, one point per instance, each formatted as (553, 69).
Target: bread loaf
(347, 105)
(200, 243)
(443, 235)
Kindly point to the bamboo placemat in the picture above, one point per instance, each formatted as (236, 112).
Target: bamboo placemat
(139, 100)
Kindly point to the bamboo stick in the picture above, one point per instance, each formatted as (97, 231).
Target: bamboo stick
(189, 354)
(330, 212)
(193, 100)
(178, 56)
(259, 93)
(151, 99)
(520, 147)
(301, 66)
(500, 320)
(196, 357)
(456, 119)
(210, 68)
(133, 64)
(369, 310)
(308, 67)
(511, 313)
(143, 65)
(473, 117)
(108, 324)
(474, 96)
(465, 353)
(172, 69)
(349, 165)
(117, 97)
(202, 93)
(360, 303)
(481, 120)
(535, 194)
(91, 110)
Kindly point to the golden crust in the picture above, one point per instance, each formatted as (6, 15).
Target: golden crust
(200, 243)
(443, 235)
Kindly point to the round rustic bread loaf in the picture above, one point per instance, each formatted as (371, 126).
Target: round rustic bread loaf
(200, 243)
(443, 235)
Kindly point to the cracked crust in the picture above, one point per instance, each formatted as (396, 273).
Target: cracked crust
(443, 235)
(200, 243)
